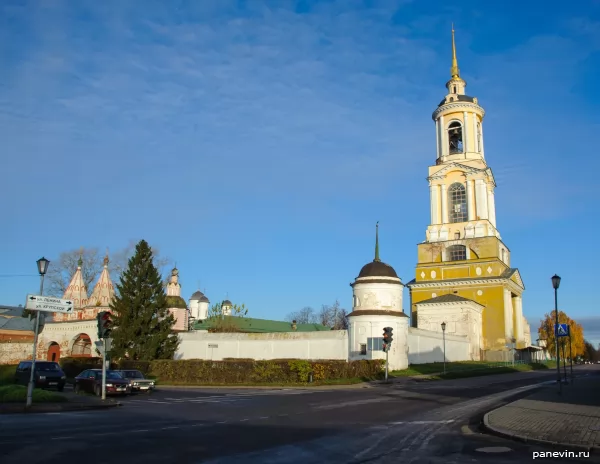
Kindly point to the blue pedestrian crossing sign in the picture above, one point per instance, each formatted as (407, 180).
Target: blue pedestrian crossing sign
(561, 330)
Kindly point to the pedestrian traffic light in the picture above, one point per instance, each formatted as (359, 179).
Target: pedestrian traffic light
(387, 337)
(104, 324)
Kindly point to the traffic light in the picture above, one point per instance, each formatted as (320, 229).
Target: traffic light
(104, 324)
(387, 337)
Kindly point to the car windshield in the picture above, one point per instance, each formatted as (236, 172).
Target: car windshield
(111, 375)
(47, 366)
(133, 375)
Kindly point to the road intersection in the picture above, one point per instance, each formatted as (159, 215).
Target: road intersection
(412, 422)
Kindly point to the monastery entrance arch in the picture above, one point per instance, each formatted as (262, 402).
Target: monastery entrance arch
(53, 352)
(82, 346)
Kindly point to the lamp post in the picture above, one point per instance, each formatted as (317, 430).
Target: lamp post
(42, 265)
(444, 338)
(514, 349)
(555, 285)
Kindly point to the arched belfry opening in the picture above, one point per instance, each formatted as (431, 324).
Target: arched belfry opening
(455, 137)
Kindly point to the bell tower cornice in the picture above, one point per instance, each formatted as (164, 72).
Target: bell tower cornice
(458, 106)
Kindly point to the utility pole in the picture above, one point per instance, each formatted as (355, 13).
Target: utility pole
(42, 264)
(104, 369)
(387, 363)
(555, 285)
(571, 354)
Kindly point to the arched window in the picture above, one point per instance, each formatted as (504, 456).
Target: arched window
(479, 137)
(456, 253)
(457, 203)
(455, 137)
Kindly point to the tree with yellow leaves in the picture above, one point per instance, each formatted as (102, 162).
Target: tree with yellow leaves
(546, 332)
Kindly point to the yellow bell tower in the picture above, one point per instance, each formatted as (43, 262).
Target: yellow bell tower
(463, 254)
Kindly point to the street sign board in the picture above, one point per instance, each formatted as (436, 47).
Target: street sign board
(100, 346)
(48, 303)
(562, 330)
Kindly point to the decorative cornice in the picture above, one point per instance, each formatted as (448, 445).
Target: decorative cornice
(468, 170)
(376, 312)
(362, 280)
(463, 282)
(451, 303)
(457, 106)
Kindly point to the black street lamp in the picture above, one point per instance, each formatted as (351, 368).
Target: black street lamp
(555, 285)
(42, 265)
(444, 338)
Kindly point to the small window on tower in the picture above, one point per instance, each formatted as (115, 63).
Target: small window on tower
(457, 253)
(455, 137)
(453, 89)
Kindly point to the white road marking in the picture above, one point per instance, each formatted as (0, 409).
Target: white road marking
(139, 431)
(62, 438)
(168, 428)
(264, 417)
(351, 403)
(424, 422)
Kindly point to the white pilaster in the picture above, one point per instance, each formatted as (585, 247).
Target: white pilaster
(466, 138)
(443, 138)
(519, 319)
(482, 145)
(491, 205)
(470, 203)
(433, 193)
(508, 315)
(437, 138)
(444, 202)
(481, 199)
(474, 132)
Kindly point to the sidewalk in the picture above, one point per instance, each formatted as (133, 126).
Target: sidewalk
(571, 420)
(74, 403)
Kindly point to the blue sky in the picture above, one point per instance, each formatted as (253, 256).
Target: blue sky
(257, 143)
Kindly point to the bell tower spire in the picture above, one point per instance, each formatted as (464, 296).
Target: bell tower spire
(454, 71)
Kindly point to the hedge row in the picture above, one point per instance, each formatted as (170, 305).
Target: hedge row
(231, 371)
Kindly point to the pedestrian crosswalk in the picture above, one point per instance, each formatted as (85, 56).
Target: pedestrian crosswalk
(227, 398)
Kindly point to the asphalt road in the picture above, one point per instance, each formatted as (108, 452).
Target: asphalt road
(406, 422)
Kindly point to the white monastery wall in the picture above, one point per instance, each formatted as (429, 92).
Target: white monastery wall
(426, 346)
(263, 346)
(14, 352)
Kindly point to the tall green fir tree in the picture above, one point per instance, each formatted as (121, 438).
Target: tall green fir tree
(142, 322)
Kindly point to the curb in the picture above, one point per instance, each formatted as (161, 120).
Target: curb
(525, 439)
(41, 409)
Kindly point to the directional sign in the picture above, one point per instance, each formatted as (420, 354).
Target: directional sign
(562, 330)
(100, 346)
(48, 303)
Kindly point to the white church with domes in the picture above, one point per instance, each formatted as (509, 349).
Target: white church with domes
(465, 301)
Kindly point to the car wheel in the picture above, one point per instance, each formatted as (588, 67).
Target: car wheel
(77, 389)
(98, 391)
(149, 391)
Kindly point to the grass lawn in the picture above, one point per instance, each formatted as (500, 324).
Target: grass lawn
(316, 383)
(18, 394)
(7, 373)
(457, 370)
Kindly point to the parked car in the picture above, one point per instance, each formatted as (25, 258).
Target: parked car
(47, 374)
(91, 381)
(137, 381)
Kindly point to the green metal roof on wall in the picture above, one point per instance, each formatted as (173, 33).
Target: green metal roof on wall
(251, 325)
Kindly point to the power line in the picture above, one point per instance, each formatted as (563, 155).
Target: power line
(19, 275)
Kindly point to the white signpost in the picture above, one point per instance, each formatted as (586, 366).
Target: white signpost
(48, 303)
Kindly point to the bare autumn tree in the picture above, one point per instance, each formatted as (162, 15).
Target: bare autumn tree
(305, 316)
(333, 316)
(61, 269)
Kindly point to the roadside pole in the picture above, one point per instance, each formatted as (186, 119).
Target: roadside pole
(31, 375)
(387, 349)
(104, 369)
(35, 342)
(571, 355)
